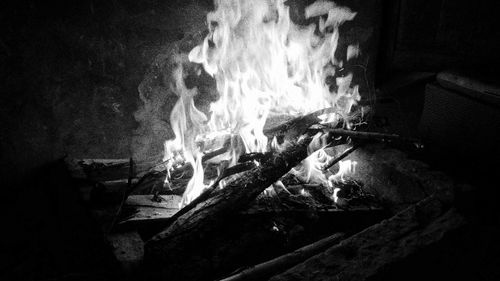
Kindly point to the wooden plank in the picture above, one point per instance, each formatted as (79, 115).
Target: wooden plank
(107, 169)
(150, 214)
(166, 201)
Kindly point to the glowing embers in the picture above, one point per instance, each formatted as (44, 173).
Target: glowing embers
(264, 65)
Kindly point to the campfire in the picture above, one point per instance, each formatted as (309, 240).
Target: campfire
(265, 67)
(288, 133)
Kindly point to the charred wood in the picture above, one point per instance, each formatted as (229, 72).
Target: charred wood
(295, 127)
(369, 135)
(226, 172)
(189, 232)
(257, 156)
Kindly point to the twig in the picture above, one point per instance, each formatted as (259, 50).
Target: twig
(334, 161)
(207, 156)
(369, 135)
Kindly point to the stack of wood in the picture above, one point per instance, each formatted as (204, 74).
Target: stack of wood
(201, 240)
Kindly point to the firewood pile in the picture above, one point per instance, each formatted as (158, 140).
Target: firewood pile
(265, 223)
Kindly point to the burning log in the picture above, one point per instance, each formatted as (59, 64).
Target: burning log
(267, 269)
(297, 126)
(175, 244)
(208, 192)
(364, 254)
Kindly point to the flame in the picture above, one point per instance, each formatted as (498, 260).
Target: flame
(264, 65)
(346, 168)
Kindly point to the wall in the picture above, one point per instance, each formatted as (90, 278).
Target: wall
(433, 35)
(70, 72)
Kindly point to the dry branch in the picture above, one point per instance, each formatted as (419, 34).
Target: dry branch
(266, 269)
(369, 135)
(335, 160)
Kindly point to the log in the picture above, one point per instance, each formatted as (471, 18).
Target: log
(366, 253)
(116, 169)
(144, 216)
(266, 269)
(150, 209)
(176, 244)
(107, 169)
(208, 192)
(160, 201)
(297, 126)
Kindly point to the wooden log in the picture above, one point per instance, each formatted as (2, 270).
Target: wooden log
(295, 127)
(160, 201)
(146, 215)
(226, 172)
(266, 269)
(176, 244)
(107, 169)
(367, 252)
(150, 209)
(116, 169)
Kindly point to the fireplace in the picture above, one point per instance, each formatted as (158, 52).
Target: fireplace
(249, 140)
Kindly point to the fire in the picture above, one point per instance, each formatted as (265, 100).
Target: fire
(264, 65)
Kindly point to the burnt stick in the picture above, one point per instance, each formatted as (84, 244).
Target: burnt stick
(344, 154)
(368, 135)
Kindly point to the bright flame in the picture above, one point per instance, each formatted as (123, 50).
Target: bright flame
(346, 168)
(264, 65)
(311, 168)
